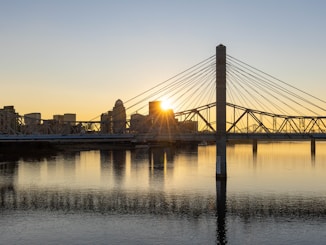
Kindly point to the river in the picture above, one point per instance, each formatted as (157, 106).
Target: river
(165, 195)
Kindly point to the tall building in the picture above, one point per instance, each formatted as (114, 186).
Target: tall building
(106, 123)
(64, 124)
(154, 108)
(58, 119)
(32, 123)
(162, 121)
(8, 120)
(69, 118)
(32, 118)
(119, 118)
(139, 123)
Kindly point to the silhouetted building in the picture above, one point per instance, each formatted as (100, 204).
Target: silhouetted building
(64, 124)
(32, 118)
(158, 121)
(8, 120)
(69, 118)
(58, 119)
(154, 109)
(106, 123)
(162, 121)
(139, 123)
(119, 118)
(32, 123)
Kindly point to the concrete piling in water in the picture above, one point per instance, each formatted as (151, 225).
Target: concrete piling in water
(313, 146)
(220, 112)
(254, 146)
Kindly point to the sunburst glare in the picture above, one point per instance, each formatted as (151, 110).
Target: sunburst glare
(166, 104)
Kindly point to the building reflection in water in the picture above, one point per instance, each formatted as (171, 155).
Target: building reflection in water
(113, 166)
(8, 173)
(157, 166)
(119, 165)
(160, 165)
(151, 163)
(60, 168)
(106, 165)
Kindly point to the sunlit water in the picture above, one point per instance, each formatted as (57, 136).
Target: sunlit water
(165, 196)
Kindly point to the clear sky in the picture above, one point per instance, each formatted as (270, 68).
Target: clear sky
(78, 56)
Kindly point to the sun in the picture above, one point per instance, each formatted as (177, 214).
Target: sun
(166, 104)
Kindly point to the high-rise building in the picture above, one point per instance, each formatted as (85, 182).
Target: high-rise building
(69, 118)
(65, 124)
(154, 108)
(119, 118)
(32, 118)
(106, 122)
(139, 123)
(8, 120)
(32, 123)
(161, 121)
(58, 119)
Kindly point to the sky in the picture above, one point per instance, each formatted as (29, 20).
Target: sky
(80, 56)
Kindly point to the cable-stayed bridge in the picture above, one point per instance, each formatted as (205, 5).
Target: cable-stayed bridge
(257, 106)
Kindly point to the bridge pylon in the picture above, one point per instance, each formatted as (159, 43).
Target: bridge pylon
(220, 112)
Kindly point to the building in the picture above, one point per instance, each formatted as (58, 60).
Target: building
(162, 121)
(119, 118)
(32, 118)
(32, 123)
(106, 123)
(157, 121)
(64, 124)
(69, 118)
(58, 119)
(139, 123)
(154, 109)
(9, 120)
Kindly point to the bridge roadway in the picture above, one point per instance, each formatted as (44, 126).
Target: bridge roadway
(161, 138)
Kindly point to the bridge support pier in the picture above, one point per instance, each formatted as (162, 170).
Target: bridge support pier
(254, 146)
(313, 146)
(221, 210)
(220, 112)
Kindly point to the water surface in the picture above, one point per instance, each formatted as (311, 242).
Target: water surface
(165, 195)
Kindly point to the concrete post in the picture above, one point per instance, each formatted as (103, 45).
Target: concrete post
(220, 111)
(254, 146)
(313, 147)
(221, 210)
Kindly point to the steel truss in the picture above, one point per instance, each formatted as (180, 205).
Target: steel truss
(239, 120)
(254, 121)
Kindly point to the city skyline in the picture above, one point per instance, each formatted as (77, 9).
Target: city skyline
(69, 56)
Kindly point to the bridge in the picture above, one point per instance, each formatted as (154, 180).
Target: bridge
(220, 99)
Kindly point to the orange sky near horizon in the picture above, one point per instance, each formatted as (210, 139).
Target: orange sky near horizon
(79, 57)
